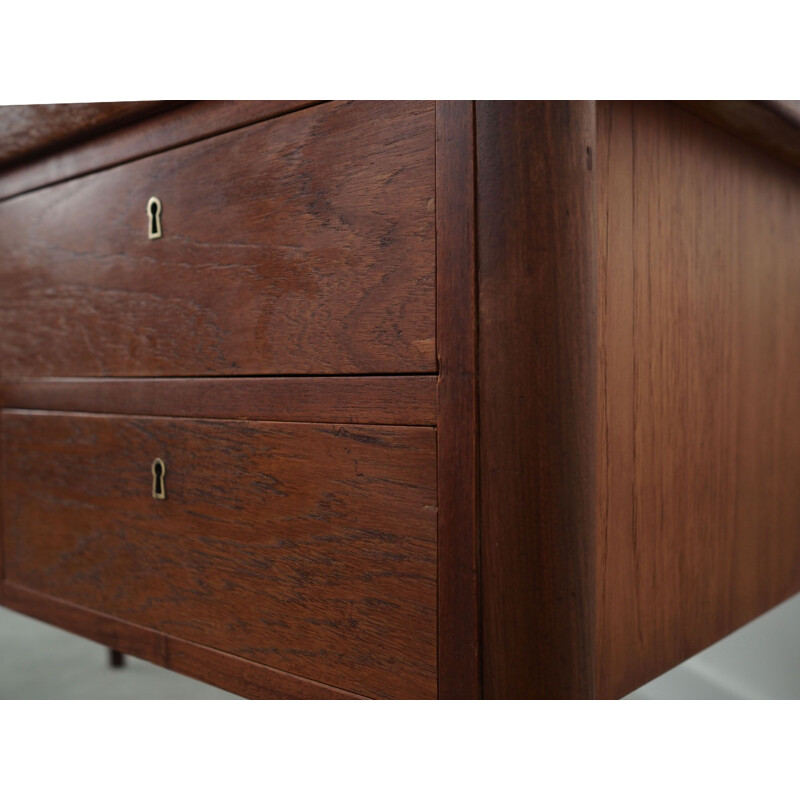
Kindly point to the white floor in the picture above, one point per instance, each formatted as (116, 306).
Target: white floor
(760, 661)
(39, 662)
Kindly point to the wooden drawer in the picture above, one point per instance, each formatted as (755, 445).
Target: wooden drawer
(310, 548)
(594, 477)
(301, 245)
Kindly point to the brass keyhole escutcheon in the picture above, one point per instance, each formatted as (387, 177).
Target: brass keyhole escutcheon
(159, 485)
(153, 218)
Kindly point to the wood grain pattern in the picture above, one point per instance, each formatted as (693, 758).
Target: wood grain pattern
(310, 548)
(234, 674)
(26, 131)
(537, 329)
(601, 480)
(771, 125)
(457, 432)
(385, 400)
(699, 457)
(302, 245)
(188, 123)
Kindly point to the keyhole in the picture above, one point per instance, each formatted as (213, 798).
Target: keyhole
(154, 218)
(159, 488)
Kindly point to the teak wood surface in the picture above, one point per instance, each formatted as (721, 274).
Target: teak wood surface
(237, 675)
(770, 124)
(102, 149)
(457, 412)
(699, 405)
(537, 374)
(387, 399)
(29, 131)
(591, 476)
(301, 245)
(309, 548)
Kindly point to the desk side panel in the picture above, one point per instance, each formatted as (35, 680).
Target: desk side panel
(699, 402)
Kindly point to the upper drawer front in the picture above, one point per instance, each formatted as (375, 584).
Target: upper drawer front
(301, 245)
(309, 548)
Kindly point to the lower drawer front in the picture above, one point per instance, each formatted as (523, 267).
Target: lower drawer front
(307, 547)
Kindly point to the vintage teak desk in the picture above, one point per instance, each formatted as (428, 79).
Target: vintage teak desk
(403, 399)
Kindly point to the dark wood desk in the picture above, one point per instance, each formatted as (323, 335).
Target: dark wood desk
(401, 399)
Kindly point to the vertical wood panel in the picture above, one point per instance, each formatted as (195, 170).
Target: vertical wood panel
(536, 257)
(617, 554)
(699, 510)
(459, 665)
